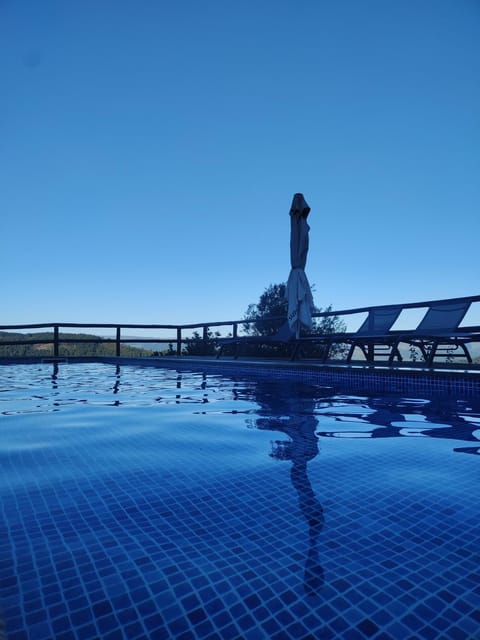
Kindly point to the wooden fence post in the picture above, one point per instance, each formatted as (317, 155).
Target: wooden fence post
(55, 341)
(179, 341)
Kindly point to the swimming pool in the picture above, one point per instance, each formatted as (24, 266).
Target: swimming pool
(140, 502)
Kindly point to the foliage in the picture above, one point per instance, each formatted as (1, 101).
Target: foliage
(270, 312)
(198, 346)
(267, 316)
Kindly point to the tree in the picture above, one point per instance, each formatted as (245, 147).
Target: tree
(198, 346)
(271, 304)
(270, 312)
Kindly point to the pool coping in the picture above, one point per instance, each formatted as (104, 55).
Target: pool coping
(358, 377)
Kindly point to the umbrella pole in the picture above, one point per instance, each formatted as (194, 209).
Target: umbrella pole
(297, 334)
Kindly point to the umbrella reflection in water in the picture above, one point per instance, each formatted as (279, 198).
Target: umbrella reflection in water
(293, 415)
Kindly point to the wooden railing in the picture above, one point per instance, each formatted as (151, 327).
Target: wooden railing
(179, 337)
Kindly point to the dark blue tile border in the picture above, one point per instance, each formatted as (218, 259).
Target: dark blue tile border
(353, 379)
(348, 378)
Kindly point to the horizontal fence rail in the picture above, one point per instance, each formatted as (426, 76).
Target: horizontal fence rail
(178, 340)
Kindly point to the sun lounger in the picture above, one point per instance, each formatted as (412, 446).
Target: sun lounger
(437, 339)
(437, 336)
(439, 333)
(370, 335)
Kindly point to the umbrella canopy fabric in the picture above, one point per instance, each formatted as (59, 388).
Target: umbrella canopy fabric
(298, 292)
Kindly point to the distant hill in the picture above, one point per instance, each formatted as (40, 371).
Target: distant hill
(44, 349)
(150, 346)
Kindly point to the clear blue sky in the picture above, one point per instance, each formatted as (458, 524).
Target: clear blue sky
(149, 152)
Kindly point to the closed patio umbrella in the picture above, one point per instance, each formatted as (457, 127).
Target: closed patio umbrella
(298, 293)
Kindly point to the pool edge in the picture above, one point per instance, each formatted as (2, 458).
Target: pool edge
(358, 377)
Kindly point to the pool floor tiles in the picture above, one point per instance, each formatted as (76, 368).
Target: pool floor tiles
(318, 552)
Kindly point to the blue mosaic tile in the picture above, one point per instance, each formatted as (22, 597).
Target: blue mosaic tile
(183, 518)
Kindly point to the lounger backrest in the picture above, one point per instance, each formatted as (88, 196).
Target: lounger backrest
(379, 320)
(446, 316)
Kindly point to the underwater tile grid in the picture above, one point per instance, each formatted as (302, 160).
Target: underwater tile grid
(360, 543)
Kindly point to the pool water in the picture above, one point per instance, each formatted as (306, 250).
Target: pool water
(140, 502)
